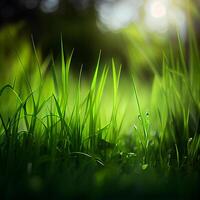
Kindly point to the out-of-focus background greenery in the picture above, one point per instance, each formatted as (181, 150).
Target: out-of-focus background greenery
(133, 32)
(59, 128)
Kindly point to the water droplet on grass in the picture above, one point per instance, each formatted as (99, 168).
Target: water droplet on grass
(131, 154)
(135, 127)
(189, 140)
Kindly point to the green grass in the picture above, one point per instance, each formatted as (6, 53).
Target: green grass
(65, 137)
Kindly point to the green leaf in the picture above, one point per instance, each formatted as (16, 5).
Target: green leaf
(144, 167)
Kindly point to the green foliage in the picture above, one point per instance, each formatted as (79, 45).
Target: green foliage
(57, 119)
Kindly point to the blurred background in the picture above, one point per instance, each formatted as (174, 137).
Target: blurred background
(133, 32)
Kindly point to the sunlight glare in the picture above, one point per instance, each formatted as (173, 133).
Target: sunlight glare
(158, 9)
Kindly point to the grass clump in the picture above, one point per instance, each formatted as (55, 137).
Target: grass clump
(58, 133)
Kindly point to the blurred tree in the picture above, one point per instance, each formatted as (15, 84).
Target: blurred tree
(77, 21)
(74, 19)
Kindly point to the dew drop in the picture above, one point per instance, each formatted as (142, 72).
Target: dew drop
(189, 140)
(135, 127)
